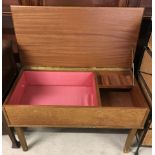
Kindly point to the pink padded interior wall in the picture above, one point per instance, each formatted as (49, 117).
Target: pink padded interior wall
(55, 88)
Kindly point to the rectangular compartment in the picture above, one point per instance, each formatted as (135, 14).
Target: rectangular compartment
(123, 98)
(55, 88)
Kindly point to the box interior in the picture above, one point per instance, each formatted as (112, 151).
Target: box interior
(55, 88)
(72, 89)
(123, 97)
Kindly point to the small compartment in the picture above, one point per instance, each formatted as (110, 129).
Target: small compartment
(132, 97)
(55, 88)
(115, 79)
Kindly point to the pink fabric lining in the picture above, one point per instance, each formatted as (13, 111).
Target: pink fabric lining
(55, 88)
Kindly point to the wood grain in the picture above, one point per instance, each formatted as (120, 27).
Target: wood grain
(76, 36)
(115, 79)
(48, 116)
(123, 97)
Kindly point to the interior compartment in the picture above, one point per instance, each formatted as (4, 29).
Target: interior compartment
(123, 97)
(115, 79)
(55, 88)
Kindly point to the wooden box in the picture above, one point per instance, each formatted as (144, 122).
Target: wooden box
(77, 68)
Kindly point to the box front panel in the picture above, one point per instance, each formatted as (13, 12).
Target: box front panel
(75, 117)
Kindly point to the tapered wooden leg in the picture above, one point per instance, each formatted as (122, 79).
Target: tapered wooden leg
(15, 143)
(21, 138)
(10, 132)
(129, 140)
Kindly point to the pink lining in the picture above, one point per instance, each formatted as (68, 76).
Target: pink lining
(55, 88)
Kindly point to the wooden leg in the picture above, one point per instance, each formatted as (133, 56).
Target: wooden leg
(21, 138)
(10, 133)
(129, 140)
(15, 143)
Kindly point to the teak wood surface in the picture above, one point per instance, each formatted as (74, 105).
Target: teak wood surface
(76, 36)
(115, 79)
(48, 116)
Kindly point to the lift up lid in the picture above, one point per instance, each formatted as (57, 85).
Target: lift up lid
(77, 36)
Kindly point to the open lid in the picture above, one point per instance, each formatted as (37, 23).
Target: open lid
(76, 36)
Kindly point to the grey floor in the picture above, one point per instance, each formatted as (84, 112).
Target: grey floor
(49, 141)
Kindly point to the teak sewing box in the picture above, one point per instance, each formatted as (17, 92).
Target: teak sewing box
(77, 71)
